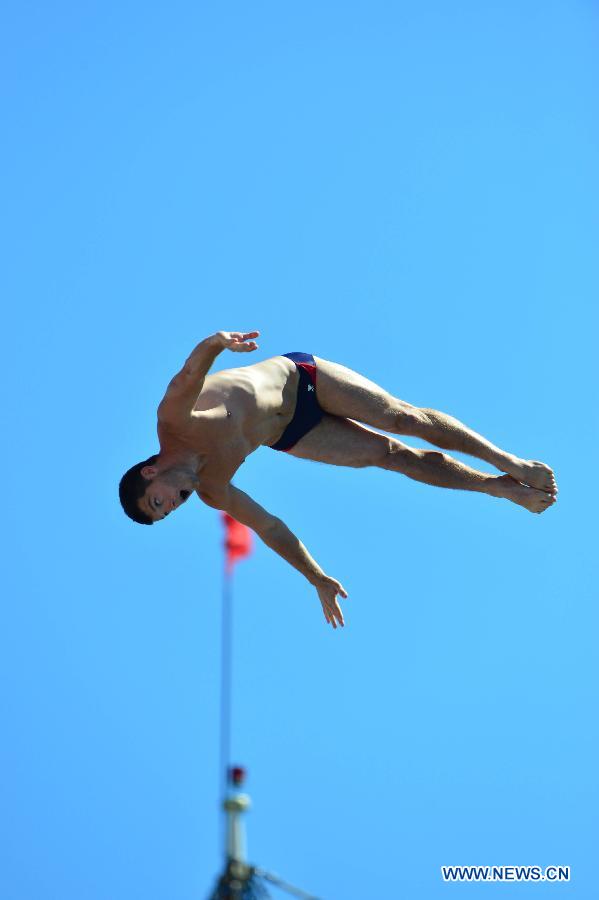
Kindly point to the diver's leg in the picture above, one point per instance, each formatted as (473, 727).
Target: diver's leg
(345, 393)
(341, 442)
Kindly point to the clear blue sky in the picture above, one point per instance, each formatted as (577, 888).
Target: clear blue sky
(411, 190)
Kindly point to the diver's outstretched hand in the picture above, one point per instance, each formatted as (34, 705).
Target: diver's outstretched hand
(237, 341)
(328, 588)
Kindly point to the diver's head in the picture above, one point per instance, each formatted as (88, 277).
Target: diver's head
(150, 490)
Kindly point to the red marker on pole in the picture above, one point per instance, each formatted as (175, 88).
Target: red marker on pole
(238, 541)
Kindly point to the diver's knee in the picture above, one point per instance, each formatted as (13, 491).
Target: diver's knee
(409, 419)
(433, 456)
(409, 459)
(397, 456)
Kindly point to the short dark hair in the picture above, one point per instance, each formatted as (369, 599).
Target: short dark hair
(132, 487)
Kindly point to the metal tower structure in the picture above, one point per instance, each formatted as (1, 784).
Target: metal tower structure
(241, 880)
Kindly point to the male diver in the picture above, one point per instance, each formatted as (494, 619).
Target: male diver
(313, 409)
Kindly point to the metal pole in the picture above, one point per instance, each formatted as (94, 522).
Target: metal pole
(225, 694)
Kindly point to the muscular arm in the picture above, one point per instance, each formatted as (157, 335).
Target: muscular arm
(282, 540)
(185, 387)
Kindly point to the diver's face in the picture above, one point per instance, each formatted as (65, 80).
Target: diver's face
(164, 493)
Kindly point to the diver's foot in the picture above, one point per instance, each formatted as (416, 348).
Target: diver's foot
(530, 498)
(533, 473)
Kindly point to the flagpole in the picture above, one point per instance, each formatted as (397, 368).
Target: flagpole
(239, 879)
(225, 690)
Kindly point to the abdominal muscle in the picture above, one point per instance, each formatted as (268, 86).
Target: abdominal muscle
(252, 403)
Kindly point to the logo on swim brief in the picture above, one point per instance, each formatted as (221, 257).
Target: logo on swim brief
(310, 387)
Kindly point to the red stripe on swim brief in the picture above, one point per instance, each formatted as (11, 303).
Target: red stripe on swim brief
(310, 371)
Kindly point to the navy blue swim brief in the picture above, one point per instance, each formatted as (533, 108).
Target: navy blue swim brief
(308, 412)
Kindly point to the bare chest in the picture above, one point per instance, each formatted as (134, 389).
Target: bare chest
(216, 437)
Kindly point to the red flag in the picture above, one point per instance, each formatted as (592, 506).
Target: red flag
(238, 540)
